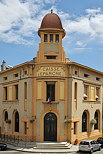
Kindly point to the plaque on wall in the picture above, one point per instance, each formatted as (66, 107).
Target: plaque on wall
(51, 48)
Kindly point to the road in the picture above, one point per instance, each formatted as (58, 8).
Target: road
(18, 152)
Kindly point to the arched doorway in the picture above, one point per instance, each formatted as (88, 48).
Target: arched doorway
(5, 116)
(16, 122)
(84, 122)
(50, 127)
(97, 117)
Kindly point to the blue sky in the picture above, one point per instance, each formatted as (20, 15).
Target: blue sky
(82, 20)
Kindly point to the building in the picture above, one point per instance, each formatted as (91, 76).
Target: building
(51, 98)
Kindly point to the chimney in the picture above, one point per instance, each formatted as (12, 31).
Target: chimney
(3, 66)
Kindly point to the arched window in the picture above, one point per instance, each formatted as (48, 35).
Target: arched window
(5, 115)
(84, 122)
(16, 121)
(97, 118)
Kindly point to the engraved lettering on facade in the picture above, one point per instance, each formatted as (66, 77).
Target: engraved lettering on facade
(51, 71)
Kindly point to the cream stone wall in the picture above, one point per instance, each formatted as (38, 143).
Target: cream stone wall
(12, 105)
(65, 106)
(60, 109)
(90, 106)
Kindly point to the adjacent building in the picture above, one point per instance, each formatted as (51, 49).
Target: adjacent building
(51, 98)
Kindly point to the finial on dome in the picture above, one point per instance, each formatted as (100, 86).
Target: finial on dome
(51, 10)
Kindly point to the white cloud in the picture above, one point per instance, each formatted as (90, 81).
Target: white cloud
(80, 44)
(96, 24)
(83, 49)
(84, 23)
(85, 30)
(93, 11)
(80, 25)
(20, 19)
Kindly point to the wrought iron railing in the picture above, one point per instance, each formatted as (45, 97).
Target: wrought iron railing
(17, 139)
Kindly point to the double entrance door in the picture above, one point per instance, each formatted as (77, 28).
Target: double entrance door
(50, 127)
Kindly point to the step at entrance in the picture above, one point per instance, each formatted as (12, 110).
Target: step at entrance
(53, 145)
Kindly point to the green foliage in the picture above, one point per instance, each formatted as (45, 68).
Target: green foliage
(32, 120)
(65, 121)
(93, 121)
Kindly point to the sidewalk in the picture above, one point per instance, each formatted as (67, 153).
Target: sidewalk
(73, 148)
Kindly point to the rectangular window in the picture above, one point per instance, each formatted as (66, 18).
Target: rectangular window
(25, 90)
(75, 127)
(25, 128)
(5, 93)
(51, 57)
(25, 72)
(51, 37)
(97, 93)
(57, 38)
(45, 38)
(75, 90)
(50, 91)
(16, 91)
(86, 75)
(5, 78)
(16, 75)
(85, 89)
(98, 79)
(76, 72)
(86, 92)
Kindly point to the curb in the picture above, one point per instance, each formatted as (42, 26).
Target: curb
(45, 151)
(42, 150)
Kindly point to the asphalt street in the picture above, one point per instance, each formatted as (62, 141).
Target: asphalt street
(18, 152)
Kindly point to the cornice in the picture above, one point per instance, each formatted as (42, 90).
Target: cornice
(16, 67)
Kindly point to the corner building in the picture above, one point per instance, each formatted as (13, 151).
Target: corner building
(51, 98)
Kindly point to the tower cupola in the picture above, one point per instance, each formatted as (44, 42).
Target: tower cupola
(51, 21)
(51, 33)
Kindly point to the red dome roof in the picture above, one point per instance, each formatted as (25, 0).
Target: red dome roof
(51, 20)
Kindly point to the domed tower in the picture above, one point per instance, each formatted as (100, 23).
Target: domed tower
(51, 33)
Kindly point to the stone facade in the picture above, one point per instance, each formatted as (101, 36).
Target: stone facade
(75, 95)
